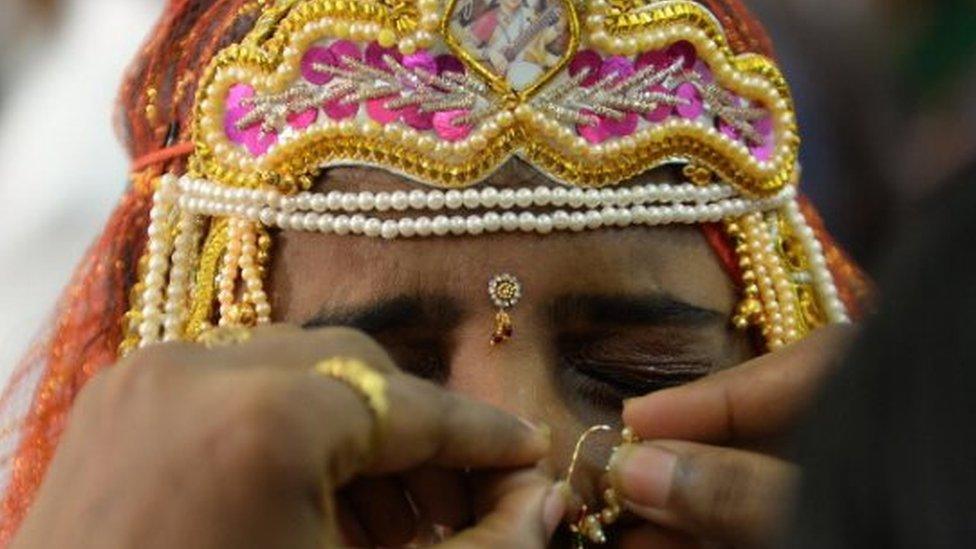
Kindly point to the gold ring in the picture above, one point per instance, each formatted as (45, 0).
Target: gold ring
(223, 336)
(368, 384)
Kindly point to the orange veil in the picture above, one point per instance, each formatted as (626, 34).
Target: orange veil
(153, 120)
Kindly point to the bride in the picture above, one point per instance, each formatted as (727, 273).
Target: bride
(289, 334)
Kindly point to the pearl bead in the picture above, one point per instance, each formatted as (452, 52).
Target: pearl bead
(423, 226)
(453, 199)
(493, 222)
(458, 225)
(407, 227)
(510, 221)
(441, 225)
(389, 229)
(474, 225)
(417, 200)
(372, 227)
(506, 198)
(357, 224)
(399, 201)
(325, 224)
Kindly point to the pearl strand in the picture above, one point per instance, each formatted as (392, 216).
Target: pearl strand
(781, 285)
(823, 279)
(228, 272)
(490, 222)
(250, 273)
(754, 227)
(484, 198)
(178, 290)
(529, 222)
(158, 247)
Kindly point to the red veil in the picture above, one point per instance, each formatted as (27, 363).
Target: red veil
(153, 119)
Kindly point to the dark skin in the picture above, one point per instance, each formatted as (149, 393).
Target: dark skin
(243, 446)
(605, 316)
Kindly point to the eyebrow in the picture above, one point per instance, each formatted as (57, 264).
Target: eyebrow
(391, 313)
(632, 310)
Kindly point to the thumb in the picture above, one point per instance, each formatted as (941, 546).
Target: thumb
(729, 495)
(526, 510)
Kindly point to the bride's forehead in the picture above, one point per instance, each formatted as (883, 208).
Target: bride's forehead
(313, 267)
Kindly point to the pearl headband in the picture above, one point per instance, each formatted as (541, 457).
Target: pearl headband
(652, 204)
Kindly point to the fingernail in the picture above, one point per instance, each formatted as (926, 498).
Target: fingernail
(541, 432)
(554, 508)
(642, 474)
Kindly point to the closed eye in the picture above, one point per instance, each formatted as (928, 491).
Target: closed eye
(606, 370)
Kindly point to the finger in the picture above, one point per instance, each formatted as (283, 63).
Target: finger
(440, 495)
(731, 495)
(453, 431)
(424, 423)
(382, 508)
(525, 512)
(288, 346)
(440, 426)
(760, 398)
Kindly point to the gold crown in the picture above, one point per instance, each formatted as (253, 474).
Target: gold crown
(445, 91)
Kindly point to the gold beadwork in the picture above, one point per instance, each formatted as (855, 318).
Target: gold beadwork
(269, 58)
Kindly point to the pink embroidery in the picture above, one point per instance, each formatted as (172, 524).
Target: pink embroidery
(236, 111)
(704, 72)
(302, 120)
(594, 133)
(343, 49)
(444, 124)
(448, 63)
(378, 111)
(376, 54)
(317, 55)
(421, 60)
(253, 137)
(684, 50)
(417, 119)
(588, 60)
(764, 152)
(617, 67)
(692, 105)
(663, 110)
(658, 58)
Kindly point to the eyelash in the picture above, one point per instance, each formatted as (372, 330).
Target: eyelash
(595, 382)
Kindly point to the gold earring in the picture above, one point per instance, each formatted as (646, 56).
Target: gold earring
(590, 526)
(505, 292)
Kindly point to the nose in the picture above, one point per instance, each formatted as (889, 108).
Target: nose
(515, 375)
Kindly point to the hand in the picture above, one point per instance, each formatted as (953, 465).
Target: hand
(699, 476)
(243, 446)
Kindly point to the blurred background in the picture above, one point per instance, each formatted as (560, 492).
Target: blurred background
(61, 167)
(885, 92)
